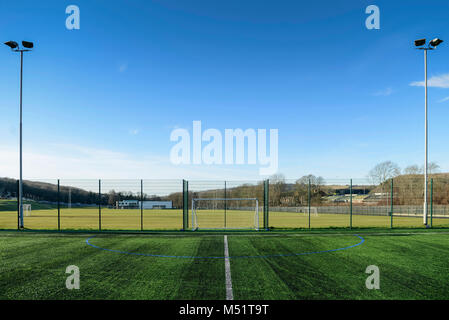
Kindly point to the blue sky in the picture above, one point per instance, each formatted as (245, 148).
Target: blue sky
(101, 102)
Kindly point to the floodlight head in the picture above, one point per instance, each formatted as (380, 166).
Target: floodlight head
(27, 44)
(420, 42)
(435, 42)
(12, 44)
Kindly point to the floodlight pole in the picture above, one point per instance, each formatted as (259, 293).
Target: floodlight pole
(426, 140)
(15, 47)
(20, 146)
(421, 44)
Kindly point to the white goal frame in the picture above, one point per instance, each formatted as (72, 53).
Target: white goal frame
(305, 211)
(26, 210)
(195, 219)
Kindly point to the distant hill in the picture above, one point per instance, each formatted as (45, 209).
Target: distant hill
(48, 192)
(42, 191)
(409, 188)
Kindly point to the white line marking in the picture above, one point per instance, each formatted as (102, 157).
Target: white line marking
(229, 295)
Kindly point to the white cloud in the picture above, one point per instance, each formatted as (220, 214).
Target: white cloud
(441, 81)
(386, 92)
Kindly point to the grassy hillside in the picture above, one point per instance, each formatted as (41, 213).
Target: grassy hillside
(11, 205)
(409, 189)
(42, 191)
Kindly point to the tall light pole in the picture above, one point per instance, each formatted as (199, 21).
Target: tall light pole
(15, 47)
(421, 44)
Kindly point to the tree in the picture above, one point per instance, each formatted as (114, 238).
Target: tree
(413, 169)
(277, 188)
(112, 198)
(302, 188)
(384, 171)
(314, 180)
(433, 167)
(277, 178)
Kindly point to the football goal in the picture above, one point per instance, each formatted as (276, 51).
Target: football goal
(305, 211)
(27, 210)
(225, 213)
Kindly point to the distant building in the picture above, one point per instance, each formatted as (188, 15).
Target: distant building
(127, 204)
(149, 204)
(157, 204)
(355, 190)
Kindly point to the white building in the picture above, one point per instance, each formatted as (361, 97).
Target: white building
(127, 204)
(150, 204)
(157, 204)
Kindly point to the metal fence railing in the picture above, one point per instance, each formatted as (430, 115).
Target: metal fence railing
(309, 202)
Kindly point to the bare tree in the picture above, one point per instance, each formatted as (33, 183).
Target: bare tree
(301, 188)
(433, 168)
(112, 198)
(314, 180)
(413, 169)
(384, 171)
(277, 178)
(277, 187)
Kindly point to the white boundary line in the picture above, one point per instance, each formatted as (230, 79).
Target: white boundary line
(229, 295)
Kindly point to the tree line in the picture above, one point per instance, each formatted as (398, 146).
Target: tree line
(408, 189)
(41, 191)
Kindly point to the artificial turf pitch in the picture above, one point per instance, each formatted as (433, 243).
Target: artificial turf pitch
(412, 264)
(171, 219)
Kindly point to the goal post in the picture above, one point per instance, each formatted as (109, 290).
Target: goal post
(225, 213)
(305, 211)
(27, 210)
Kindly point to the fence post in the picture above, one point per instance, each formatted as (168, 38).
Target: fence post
(225, 204)
(99, 205)
(59, 208)
(350, 205)
(308, 199)
(185, 205)
(266, 204)
(431, 202)
(391, 204)
(141, 205)
(18, 206)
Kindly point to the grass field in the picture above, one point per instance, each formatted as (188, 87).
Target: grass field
(412, 265)
(171, 219)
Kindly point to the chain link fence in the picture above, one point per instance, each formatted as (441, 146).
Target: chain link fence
(226, 204)
(305, 203)
(439, 193)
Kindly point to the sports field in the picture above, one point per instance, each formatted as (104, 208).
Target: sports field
(263, 265)
(171, 219)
